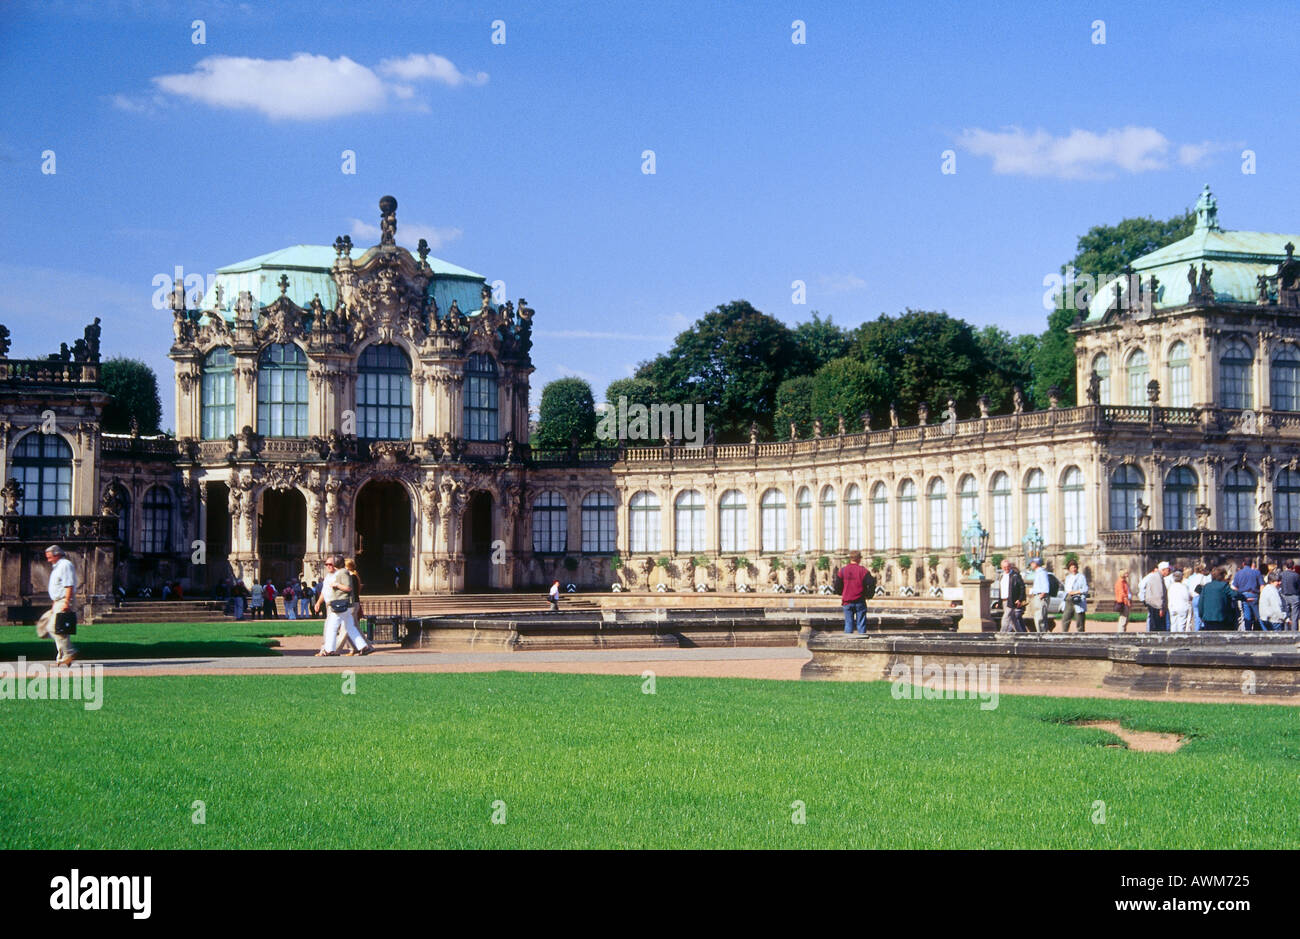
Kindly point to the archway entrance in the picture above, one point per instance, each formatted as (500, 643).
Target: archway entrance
(281, 535)
(476, 541)
(383, 548)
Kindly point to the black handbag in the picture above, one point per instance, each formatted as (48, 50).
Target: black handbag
(341, 605)
(65, 623)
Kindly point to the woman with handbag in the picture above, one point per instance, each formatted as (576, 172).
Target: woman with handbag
(336, 599)
(350, 567)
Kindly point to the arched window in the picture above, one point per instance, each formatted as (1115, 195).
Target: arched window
(830, 520)
(771, 520)
(1000, 496)
(1139, 373)
(1234, 375)
(481, 398)
(598, 523)
(733, 522)
(1284, 378)
(1073, 507)
(1126, 485)
(937, 497)
(1180, 376)
(804, 509)
(217, 395)
(1239, 500)
(384, 393)
(853, 514)
(156, 537)
(643, 522)
(550, 524)
(688, 520)
(1036, 512)
(879, 518)
(282, 391)
(968, 499)
(909, 521)
(1286, 500)
(1180, 499)
(42, 464)
(1101, 365)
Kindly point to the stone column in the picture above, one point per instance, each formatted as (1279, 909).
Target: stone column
(975, 606)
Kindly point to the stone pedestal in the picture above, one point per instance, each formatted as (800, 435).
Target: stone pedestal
(975, 616)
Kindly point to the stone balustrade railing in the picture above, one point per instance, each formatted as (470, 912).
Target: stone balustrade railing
(49, 372)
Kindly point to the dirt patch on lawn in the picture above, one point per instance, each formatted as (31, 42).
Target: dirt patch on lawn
(1144, 741)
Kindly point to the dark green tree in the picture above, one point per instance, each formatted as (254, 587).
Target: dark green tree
(636, 390)
(133, 387)
(567, 409)
(1009, 363)
(928, 356)
(794, 404)
(819, 340)
(848, 386)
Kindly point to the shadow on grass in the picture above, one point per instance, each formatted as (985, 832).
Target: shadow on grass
(37, 651)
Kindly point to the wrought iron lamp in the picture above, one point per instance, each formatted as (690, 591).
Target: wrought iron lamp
(975, 542)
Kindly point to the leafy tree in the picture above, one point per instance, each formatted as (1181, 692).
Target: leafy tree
(636, 390)
(134, 390)
(794, 403)
(847, 386)
(732, 360)
(1009, 364)
(929, 357)
(567, 408)
(819, 340)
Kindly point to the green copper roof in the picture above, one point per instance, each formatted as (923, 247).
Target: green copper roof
(1235, 257)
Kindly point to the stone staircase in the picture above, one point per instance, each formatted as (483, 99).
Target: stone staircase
(162, 611)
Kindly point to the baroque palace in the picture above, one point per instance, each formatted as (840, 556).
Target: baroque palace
(377, 406)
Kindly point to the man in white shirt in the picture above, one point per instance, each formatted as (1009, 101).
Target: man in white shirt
(1040, 597)
(63, 583)
(1076, 597)
(1180, 604)
(1152, 592)
(1199, 578)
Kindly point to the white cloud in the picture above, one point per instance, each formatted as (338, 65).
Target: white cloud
(430, 66)
(408, 234)
(305, 86)
(1190, 154)
(840, 283)
(1080, 154)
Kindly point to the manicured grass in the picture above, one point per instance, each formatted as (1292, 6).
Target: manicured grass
(418, 760)
(158, 640)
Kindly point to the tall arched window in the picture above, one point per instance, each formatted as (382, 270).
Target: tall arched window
(771, 520)
(282, 391)
(156, 538)
(598, 523)
(804, 509)
(1126, 485)
(688, 520)
(909, 520)
(1036, 504)
(830, 520)
(1000, 496)
(643, 522)
(1180, 499)
(42, 464)
(968, 499)
(1101, 365)
(1180, 376)
(384, 393)
(1139, 373)
(1239, 500)
(1284, 379)
(1234, 375)
(217, 395)
(1073, 506)
(481, 398)
(937, 498)
(879, 518)
(1286, 500)
(733, 522)
(550, 524)
(853, 516)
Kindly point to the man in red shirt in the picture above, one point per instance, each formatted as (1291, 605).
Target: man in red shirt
(853, 577)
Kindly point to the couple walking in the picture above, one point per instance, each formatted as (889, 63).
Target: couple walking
(340, 599)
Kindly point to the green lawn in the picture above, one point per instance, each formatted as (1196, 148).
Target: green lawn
(158, 640)
(418, 760)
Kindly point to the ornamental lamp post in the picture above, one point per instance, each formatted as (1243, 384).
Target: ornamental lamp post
(975, 541)
(1033, 543)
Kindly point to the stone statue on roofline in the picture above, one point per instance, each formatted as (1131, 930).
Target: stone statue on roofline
(387, 220)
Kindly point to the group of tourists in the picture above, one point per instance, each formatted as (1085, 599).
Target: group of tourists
(1196, 598)
(259, 601)
(1035, 599)
(340, 601)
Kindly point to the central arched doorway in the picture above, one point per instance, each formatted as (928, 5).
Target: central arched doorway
(383, 548)
(217, 522)
(281, 535)
(476, 541)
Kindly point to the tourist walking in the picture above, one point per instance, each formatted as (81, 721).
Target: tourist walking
(1290, 590)
(54, 622)
(1219, 601)
(1248, 582)
(290, 601)
(269, 590)
(853, 578)
(336, 602)
(305, 598)
(554, 596)
(1076, 597)
(238, 599)
(1152, 593)
(1123, 600)
(1271, 613)
(1196, 582)
(1011, 588)
(1180, 605)
(1040, 597)
(256, 600)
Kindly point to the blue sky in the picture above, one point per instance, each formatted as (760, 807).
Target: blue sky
(775, 161)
